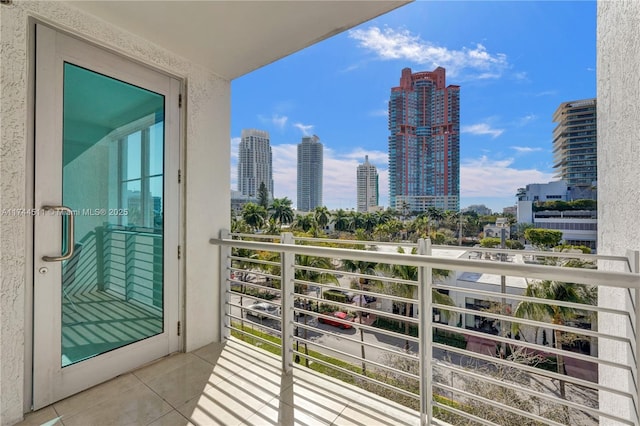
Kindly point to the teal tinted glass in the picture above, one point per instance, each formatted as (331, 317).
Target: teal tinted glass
(113, 156)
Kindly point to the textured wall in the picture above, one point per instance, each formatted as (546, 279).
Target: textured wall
(618, 172)
(206, 176)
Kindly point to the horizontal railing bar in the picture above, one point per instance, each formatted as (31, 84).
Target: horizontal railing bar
(351, 307)
(266, 328)
(532, 323)
(524, 344)
(351, 242)
(496, 295)
(258, 274)
(520, 388)
(464, 414)
(253, 336)
(353, 373)
(333, 286)
(357, 358)
(246, 310)
(252, 285)
(500, 405)
(464, 249)
(533, 370)
(256, 236)
(584, 276)
(252, 261)
(403, 354)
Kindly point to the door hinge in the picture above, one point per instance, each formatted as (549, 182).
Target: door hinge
(179, 328)
(179, 176)
(179, 252)
(180, 100)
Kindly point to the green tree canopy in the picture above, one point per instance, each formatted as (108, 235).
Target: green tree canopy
(281, 210)
(543, 238)
(263, 196)
(254, 215)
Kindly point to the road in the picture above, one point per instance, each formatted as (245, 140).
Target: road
(337, 339)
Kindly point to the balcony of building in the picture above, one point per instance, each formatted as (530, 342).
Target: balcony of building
(489, 351)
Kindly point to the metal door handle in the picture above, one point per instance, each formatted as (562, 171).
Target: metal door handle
(70, 243)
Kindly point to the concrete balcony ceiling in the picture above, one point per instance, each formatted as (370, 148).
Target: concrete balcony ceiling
(233, 38)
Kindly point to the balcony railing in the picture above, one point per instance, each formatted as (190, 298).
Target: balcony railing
(474, 359)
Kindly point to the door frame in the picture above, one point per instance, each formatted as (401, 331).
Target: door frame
(174, 156)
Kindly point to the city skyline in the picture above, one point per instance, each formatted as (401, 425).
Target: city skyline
(513, 77)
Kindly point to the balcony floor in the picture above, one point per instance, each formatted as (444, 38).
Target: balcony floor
(222, 384)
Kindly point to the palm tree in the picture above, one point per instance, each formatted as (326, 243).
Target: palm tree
(370, 221)
(281, 210)
(340, 220)
(304, 222)
(410, 273)
(355, 221)
(254, 215)
(322, 216)
(263, 196)
(555, 291)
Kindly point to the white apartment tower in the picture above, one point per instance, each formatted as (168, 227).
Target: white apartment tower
(309, 173)
(367, 176)
(254, 163)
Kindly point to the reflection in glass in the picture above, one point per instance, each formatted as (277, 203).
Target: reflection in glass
(113, 156)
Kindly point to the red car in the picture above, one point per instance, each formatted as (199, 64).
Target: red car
(339, 315)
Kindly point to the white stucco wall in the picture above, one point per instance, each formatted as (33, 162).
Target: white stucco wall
(206, 180)
(618, 92)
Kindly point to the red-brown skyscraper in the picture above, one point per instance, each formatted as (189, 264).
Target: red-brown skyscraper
(424, 142)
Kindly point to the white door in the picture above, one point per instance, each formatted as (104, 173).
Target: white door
(106, 222)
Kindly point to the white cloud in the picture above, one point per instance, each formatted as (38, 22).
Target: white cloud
(279, 121)
(484, 177)
(390, 44)
(482, 129)
(525, 149)
(379, 113)
(546, 93)
(523, 121)
(306, 129)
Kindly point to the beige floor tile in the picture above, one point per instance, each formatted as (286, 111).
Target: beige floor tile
(97, 394)
(137, 406)
(277, 413)
(46, 416)
(183, 383)
(361, 415)
(227, 403)
(164, 365)
(173, 418)
(315, 402)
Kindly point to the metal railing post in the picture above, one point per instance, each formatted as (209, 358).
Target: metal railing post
(634, 267)
(287, 268)
(225, 286)
(425, 333)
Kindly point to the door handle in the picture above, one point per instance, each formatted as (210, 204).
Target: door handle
(70, 243)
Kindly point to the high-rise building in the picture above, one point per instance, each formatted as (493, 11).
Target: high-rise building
(424, 142)
(254, 163)
(309, 173)
(575, 144)
(367, 185)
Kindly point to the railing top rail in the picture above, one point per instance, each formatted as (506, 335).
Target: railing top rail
(584, 276)
(537, 253)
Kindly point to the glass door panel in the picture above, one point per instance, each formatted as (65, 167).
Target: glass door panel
(112, 179)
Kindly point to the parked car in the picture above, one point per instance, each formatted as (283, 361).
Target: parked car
(259, 310)
(340, 315)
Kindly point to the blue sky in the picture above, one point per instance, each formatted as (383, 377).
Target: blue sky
(515, 63)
